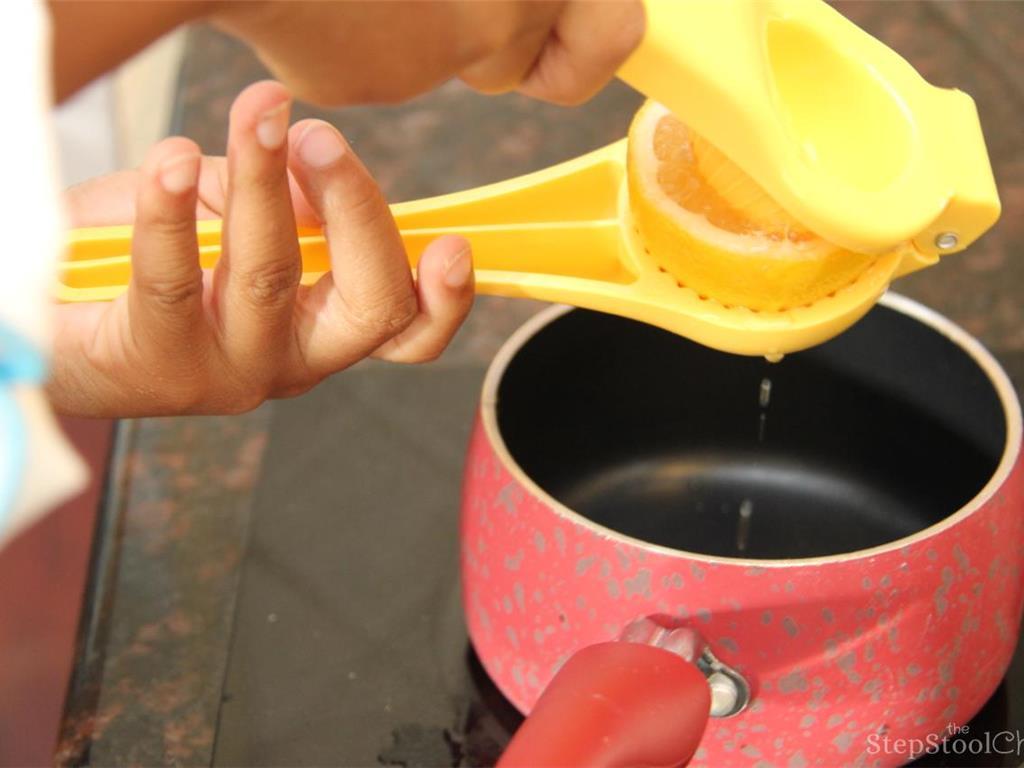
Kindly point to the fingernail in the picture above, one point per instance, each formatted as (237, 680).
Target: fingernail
(272, 127)
(320, 146)
(457, 269)
(179, 174)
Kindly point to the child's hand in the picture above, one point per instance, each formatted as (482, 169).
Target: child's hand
(184, 341)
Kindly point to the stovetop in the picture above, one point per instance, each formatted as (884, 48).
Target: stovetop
(349, 646)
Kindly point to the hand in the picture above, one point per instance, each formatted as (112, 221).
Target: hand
(359, 51)
(370, 51)
(185, 340)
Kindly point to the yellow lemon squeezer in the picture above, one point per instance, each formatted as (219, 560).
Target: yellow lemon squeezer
(815, 116)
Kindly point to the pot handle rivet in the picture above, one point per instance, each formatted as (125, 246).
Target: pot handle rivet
(730, 692)
(724, 695)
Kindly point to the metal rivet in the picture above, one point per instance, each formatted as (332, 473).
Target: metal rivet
(724, 695)
(945, 241)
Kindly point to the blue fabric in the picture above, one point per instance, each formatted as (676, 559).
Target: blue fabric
(13, 445)
(20, 363)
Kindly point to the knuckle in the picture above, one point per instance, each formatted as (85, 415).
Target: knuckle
(568, 94)
(428, 355)
(363, 203)
(246, 403)
(367, 206)
(491, 80)
(559, 83)
(374, 88)
(269, 284)
(617, 50)
(186, 397)
(389, 93)
(294, 376)
(292, 390)
(383, 318)
(620, 40)
(261, 182)
(634, 28)
(396, 352)
(173, 292)
(488, 38)
(181, 388)
(167, 226)
(501, 37)
(243, 398)
(508, 24)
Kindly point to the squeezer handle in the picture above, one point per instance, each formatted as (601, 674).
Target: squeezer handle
(835, 126)
(552, 235)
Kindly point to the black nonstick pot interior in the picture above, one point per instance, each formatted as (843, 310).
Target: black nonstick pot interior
(868, 438)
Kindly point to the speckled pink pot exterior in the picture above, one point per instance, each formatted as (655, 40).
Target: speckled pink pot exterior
(845, 655)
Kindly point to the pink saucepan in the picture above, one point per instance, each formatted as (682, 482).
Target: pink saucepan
(824, 554)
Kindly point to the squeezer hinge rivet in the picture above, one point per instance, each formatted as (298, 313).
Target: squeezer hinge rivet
(946, 241)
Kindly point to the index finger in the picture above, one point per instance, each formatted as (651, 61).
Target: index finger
(166, 286)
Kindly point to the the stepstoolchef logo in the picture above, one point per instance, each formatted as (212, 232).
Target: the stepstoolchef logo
(955, 740)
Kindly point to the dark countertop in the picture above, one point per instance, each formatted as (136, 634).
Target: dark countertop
(242, 563)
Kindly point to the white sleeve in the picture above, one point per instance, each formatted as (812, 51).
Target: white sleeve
(30, 213)
(37, 466)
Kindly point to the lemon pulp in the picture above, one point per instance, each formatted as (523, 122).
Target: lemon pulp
(711, 226)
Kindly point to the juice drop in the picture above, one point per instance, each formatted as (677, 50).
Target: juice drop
(764, 393)
(743, 524)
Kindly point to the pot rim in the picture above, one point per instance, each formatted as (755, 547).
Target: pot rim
(972, 347)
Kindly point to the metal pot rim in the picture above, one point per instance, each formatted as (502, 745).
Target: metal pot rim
(972, 347)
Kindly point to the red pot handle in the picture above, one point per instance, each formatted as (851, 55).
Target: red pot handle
(615, 705)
